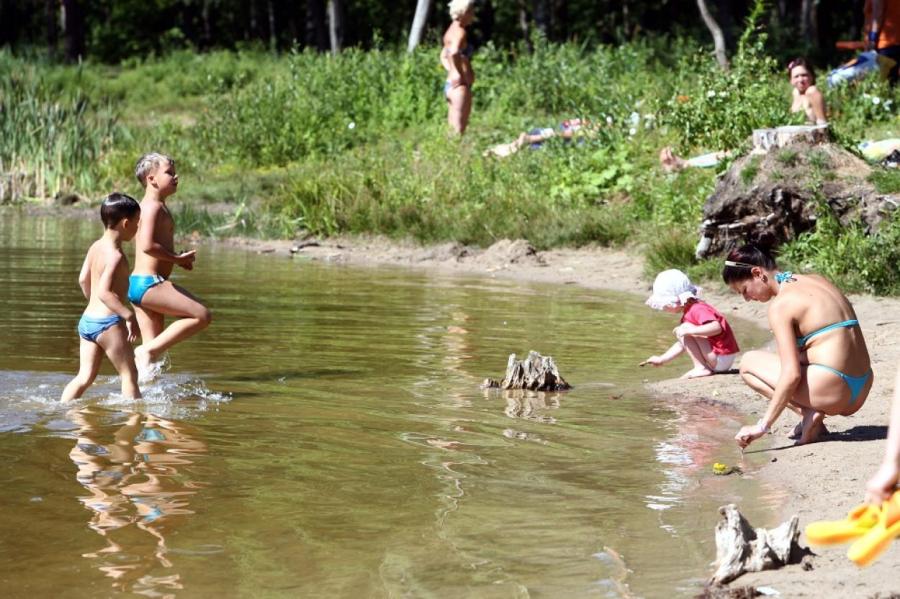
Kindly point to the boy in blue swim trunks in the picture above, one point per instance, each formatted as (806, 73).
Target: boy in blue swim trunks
(107, 325)
(153, 295)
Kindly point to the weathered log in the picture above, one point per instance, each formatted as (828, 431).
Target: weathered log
(534, 373)
(741, 548)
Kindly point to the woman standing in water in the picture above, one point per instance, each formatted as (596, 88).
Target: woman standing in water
(822, 366)
(455, 57)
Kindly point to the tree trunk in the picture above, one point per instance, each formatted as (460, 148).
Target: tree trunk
(316, 30)
(806, 9)
(74, 30)
(418, 25)
(270, 10)
(207, 29)
(716, 31)
(541, 12)
(523, 25)
(336, 25)
(52, 16)
(561, 18)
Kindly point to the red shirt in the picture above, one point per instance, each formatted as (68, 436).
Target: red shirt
(699, 312)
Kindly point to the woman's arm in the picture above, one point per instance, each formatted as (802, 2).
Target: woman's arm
(817, 103)
(873, 27)
(457, 40)
(781, 321)
(881, 486)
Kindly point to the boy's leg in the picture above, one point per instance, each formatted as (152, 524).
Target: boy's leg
(172, 300)
(90, 355)
(114, 342)
(151, 325)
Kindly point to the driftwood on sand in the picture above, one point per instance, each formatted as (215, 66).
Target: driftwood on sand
(534, 373)
(741, 548)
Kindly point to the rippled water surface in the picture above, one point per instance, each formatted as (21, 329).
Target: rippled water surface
(326, 436)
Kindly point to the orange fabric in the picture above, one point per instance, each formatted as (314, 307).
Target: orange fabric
(889, 33)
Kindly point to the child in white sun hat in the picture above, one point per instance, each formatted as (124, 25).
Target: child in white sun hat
(703, 332)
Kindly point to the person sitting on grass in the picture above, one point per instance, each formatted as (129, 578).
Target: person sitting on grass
(822, 365)
(805, 98)
(703, 332)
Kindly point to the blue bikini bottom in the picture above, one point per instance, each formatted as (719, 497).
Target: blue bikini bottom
(856, 383)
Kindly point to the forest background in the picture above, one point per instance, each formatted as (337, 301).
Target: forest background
(320, 118)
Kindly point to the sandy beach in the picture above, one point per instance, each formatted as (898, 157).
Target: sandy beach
(822, 481)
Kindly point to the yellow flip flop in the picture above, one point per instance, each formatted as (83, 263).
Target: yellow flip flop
(872, 544)
(858, 522)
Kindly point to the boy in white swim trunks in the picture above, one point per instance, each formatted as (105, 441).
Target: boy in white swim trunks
(107, 325)
(153, 295)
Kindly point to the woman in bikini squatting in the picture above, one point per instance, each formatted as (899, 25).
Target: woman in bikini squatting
(455, 57)
(822, 367)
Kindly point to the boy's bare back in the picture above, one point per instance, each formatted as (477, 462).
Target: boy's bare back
(104, 259)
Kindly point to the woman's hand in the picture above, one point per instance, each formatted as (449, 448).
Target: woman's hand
(749, 434)
(881, 486)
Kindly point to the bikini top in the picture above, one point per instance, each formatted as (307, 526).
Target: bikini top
(466, 52)
(782, 277)
(802, 341)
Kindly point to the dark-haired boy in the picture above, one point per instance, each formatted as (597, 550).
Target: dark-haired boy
(107, 325)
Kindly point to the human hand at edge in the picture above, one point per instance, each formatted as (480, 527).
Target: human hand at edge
(748, 434)
(881, 486)
(653, 361)
(186, 259)
(131, 326)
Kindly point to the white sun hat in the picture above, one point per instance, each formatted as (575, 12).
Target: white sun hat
(672, 288)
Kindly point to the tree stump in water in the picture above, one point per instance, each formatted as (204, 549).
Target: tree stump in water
(534, 373)
(741, 548)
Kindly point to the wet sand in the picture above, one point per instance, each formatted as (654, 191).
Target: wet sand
(821, 481)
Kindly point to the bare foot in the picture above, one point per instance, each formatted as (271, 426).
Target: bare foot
(141, 358)
(669, 161)
(696, 373)
(813, 427)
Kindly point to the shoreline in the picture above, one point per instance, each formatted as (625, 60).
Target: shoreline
(821, 481)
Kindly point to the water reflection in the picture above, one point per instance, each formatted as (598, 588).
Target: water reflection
(135, 474)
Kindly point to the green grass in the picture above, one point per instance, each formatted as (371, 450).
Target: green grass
(273, 145)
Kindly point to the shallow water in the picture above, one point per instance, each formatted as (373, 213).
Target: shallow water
(327, 437)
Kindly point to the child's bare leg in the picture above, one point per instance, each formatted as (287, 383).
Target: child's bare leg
(172, 300)
(699, 350)
(114, 342)
(151, 325)
(89, 364)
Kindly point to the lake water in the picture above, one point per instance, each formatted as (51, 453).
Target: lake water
(327, 436)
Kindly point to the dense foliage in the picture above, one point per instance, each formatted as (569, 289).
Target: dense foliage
(306, 143)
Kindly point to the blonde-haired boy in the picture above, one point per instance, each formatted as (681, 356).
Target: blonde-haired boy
(154, 297)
